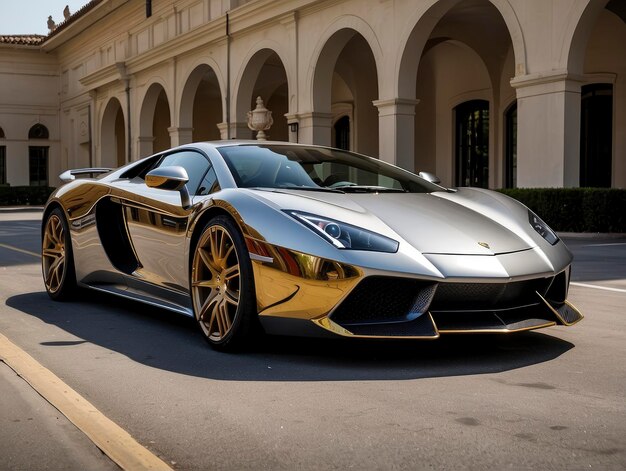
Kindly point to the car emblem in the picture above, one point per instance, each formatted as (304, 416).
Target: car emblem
(484, 244)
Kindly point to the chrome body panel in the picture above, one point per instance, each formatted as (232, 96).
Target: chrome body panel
(133, 240)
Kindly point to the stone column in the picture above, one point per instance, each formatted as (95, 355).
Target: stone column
(237, 131)
(180, 136)
(145, 146)
(396, 131)
(548, 130)
(315, 128)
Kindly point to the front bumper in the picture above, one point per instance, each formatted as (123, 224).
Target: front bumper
(301, 294)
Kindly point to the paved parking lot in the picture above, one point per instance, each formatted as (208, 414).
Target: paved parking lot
(553, 399)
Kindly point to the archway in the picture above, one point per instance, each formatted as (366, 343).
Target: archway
(154, 121)
(467, 56)
(603, 95)
(201, 105)
(345, 85)
(264, 76)
(113, 135)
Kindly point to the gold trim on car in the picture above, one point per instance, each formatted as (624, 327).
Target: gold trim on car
(296, 285)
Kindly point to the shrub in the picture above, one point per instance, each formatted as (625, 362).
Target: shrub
(576, 209)
(24, 195)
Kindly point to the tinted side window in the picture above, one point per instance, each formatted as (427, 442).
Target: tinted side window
(209, 183)
(195, 163)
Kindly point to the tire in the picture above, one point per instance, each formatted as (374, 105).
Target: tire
(57, 260)
(222, 286)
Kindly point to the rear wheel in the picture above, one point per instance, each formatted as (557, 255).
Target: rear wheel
(56, 257)
(222, 286)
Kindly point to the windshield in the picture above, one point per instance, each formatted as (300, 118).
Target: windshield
(317, 169)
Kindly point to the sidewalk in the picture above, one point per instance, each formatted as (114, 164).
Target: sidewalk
(35, 435)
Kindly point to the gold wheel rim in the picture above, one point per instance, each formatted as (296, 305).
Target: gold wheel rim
(53, 253)
(215, 283)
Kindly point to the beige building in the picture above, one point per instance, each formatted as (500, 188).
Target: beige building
(492, 93)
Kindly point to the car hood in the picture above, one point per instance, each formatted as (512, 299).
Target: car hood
(429, 222)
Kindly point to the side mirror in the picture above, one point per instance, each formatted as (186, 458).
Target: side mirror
(170, 178)
(431, 177)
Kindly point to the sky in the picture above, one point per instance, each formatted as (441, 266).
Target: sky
(31, 16)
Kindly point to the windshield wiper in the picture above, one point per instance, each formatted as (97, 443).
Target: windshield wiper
(302, 188)
(369, 189)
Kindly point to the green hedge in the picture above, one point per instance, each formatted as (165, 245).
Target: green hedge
(576, 209)
(24, 195)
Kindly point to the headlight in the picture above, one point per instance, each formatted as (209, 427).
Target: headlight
(345, 236)
(542, 228)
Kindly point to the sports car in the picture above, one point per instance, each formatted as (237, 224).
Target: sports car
(250, 237)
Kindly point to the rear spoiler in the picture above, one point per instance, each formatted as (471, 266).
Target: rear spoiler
(70, 175)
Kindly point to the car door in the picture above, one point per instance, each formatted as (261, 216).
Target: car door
(157, 226)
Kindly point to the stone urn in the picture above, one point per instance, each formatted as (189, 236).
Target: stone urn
(260, 119)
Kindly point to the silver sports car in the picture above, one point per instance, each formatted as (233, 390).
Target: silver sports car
(251, 237)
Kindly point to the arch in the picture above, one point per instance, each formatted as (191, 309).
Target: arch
(2, 135)
(580, 25)
(421, 27)
(249, 74)
(113, 135)
(325, 55)
(202, 79)
(154, 120)
(441, 88)
(148, 105)
(38, 131)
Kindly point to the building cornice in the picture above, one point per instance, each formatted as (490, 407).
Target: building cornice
(104, 76)
(553, 76)
(80, 24)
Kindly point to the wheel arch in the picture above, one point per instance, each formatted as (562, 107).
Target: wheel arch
(198, 226)
(51, 206)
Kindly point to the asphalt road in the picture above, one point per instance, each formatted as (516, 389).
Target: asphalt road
(553, 399)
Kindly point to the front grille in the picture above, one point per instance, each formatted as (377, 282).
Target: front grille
(487, 296)
(379, 299)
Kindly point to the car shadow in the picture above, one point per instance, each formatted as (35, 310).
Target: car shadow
(171, 342)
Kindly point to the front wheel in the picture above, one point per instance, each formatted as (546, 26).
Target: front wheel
(57, 262)
(222, 286)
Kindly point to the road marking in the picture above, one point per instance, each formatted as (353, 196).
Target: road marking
(27, 252)
(606, 288)
(114, 441)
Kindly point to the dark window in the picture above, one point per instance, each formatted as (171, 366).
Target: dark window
(2, 136)
(510, 164)
(209, 183)
(342, 133)
(38, 166)
(3, 165)
(472, 143)
(195, 163)
(38, 131)
(596, 135)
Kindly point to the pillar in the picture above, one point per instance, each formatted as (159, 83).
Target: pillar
(548, 130)
(396, 131)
